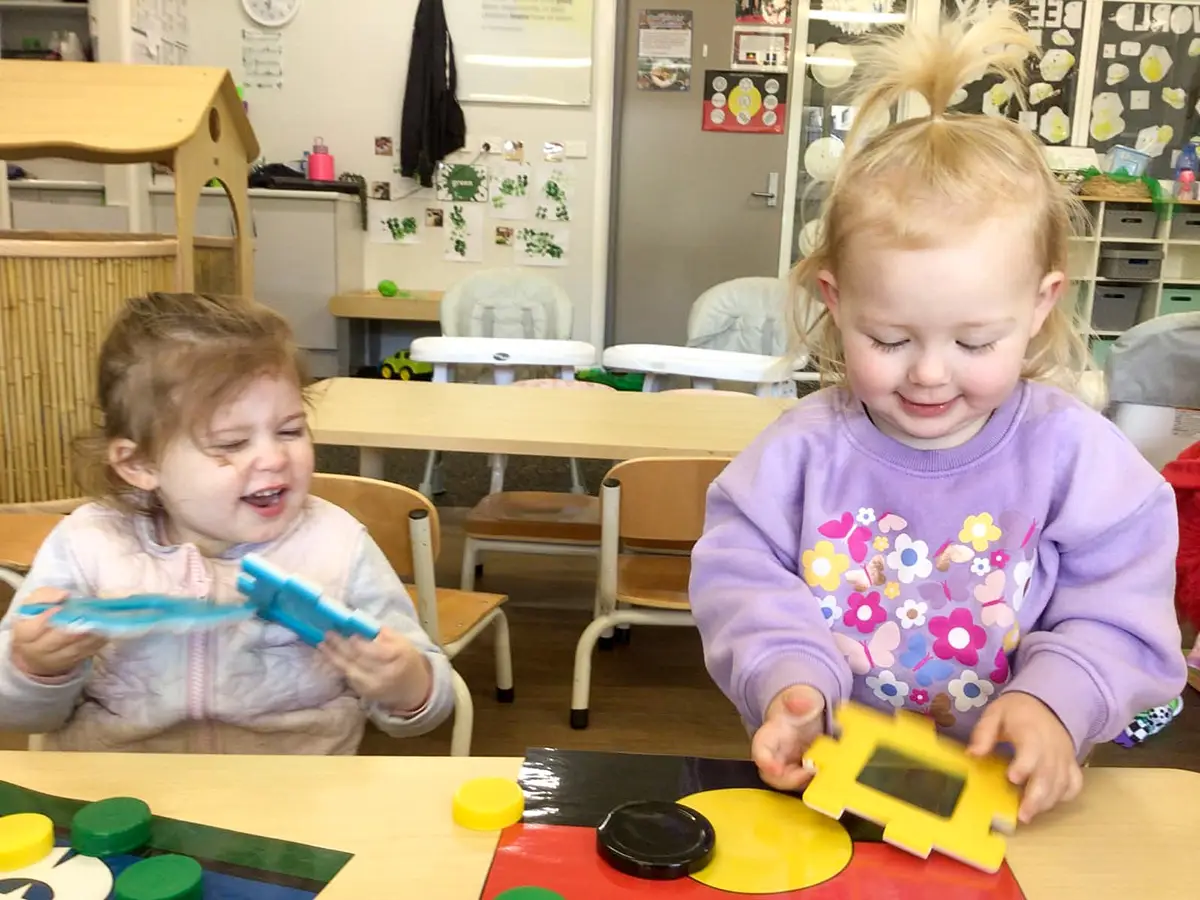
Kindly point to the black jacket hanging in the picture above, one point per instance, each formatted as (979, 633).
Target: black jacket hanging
(432, 124)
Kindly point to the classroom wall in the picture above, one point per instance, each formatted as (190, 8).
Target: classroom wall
(344, 69)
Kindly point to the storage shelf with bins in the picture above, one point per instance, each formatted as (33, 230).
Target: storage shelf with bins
(1132, 266)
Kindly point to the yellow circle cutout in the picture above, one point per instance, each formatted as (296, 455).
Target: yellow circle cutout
(768, 843)
(488, 804)
(747, 100)
(25, 838)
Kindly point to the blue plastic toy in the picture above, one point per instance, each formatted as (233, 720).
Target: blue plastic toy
(139, 614)
(298, 605)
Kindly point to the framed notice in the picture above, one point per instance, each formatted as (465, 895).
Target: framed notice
(744, 102)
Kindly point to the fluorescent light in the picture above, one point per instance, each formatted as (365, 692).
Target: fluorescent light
(528, 62)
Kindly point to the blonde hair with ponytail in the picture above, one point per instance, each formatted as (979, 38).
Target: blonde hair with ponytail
(918, 182)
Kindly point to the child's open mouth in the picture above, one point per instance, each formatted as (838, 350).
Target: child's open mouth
(268, 502)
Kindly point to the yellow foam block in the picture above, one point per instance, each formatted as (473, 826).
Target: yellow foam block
(25, 838)
(988, 799)
(488, 804)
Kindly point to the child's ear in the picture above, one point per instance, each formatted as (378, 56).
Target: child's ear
(1050, 291)
(127, 462)
(830, 295)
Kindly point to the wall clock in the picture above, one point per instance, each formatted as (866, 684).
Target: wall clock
(271, 13)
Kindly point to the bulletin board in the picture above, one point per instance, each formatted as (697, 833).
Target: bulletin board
(1052, 85)
(523, 51)
(1147, 80)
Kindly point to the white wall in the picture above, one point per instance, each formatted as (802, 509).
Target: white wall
(345, 66)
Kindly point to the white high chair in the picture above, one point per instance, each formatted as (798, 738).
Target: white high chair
(1153, 385)
(503, 319)
(736, 332)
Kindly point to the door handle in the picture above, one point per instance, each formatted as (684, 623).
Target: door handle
(772, 192)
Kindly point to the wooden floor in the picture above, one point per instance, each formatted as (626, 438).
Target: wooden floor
(652, 695)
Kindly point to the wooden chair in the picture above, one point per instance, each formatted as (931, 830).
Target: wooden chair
(23, 528)
(405, 526)
(644, 502)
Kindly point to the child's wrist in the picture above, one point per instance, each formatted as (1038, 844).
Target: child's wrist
(414, 696)
(22, 665)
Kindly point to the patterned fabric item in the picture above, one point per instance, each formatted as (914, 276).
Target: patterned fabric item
(1149, 723)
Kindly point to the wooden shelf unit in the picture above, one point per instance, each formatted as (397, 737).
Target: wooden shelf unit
(1175, 289)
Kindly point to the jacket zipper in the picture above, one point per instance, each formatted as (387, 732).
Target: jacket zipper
(198, 584)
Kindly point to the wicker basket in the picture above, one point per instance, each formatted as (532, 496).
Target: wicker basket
(58, 293)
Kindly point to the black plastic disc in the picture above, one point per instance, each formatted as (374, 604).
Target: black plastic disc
(656, 840)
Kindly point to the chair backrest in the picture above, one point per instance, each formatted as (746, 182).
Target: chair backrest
(744, 315)
(1153, 382)
(384, 509)
(507, 303)
(21, 535)
(662, 499)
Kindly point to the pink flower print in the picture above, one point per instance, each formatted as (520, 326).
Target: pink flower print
(919, 696)
(1000, 559)
(999, 675)
(864, 612)
(958, 637)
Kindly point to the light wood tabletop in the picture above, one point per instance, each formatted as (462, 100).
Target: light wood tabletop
(407, 306)
(1129, 835)
(374, 414)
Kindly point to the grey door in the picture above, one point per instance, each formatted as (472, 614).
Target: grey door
(685, 215)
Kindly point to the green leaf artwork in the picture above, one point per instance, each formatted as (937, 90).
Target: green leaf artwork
(464, 236)
(462, 183)
(401, 228)
(543, 246)
(554, 195)
(510, 188)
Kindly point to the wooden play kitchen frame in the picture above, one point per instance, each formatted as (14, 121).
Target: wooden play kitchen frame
(59, 290)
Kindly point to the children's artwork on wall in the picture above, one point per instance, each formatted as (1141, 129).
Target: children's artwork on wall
(394, 223)
(554, 193)
(1053, 80)
(542, 245)
(384, 146)
(464, 232)
(1145, 76)
(552, 151)
(504, 235)
(514, 151)
(381, 190)
(434, 217)
(511, 187)
(462, 183)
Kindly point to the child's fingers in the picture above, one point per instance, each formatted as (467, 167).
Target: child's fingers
(985, 734)
(1025, 761)
(1043, 790)
(805, 706)
(1074, 782)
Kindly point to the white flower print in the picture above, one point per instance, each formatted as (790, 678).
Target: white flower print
(866, 516)
(1022, 572)
(981, 565)
(910, 559)
(969, 691)
(912, 613)
(888, 689)
(830, 609)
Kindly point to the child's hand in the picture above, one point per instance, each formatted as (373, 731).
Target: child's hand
(42, 651)
(793, 721)
(389, 670)
(1044, 759)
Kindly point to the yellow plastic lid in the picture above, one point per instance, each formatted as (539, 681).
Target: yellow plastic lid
(25, 838)
(488, 804)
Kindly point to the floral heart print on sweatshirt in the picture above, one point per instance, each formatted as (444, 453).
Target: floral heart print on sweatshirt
(930, 622)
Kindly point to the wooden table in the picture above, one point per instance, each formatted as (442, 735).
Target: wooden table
(1130, 835)
(374, 414)
(360, 316)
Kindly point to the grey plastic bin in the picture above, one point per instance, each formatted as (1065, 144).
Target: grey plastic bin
(1115, 306)
(1129, 222)
(1131, 263)
(1185, 225)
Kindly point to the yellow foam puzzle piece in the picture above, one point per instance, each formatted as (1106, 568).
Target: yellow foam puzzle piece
(987, 800)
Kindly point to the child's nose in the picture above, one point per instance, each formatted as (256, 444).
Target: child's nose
(928, 371)
(272, 456)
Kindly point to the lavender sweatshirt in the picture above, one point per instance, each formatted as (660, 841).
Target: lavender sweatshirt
(1038, 557)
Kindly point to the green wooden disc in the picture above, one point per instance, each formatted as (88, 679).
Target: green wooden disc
(168, 877)
(529, 893)
(111, 827)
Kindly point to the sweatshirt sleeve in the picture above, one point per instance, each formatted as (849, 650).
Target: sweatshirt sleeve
(761, 625)
(375, 588)
(34, 706)
(1107, 645)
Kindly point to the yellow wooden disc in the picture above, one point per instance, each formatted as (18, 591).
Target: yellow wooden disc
(488, 804)
(768, 843)
(25, 838)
